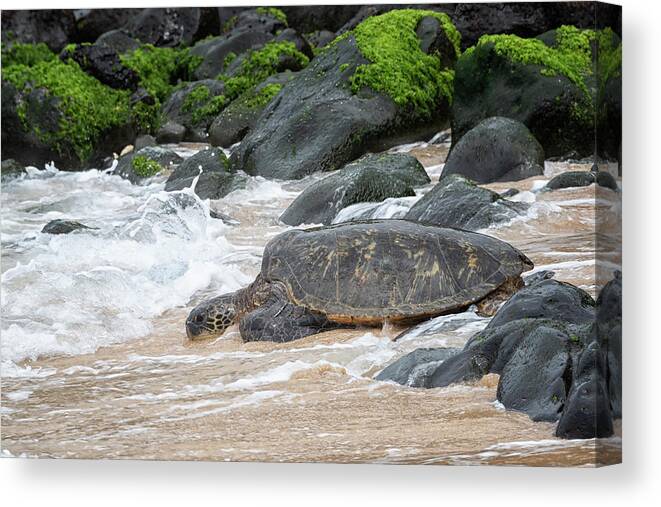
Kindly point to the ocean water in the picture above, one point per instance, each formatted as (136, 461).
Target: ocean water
(95, 361)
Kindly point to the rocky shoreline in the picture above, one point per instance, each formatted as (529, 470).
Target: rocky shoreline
(283, 94)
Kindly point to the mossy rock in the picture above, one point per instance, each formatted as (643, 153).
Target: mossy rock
(216, 179)
(457, 202)
(237, 119)
(194, 106)
(357, 95)
(547, 83)
(103, 63)
(372, 178)
(143, 164)
(53, 110)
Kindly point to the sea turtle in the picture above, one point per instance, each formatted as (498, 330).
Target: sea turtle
(363, 273)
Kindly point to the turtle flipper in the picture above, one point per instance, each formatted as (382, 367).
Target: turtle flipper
(278, 320)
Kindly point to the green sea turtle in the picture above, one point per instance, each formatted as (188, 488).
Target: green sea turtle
(363, 273)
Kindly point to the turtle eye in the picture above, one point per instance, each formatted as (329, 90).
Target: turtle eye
(198, 319)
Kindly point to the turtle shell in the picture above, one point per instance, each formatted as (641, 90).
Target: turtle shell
(366, 272)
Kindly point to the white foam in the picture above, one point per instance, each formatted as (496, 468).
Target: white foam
(70, 294)
(393, 207)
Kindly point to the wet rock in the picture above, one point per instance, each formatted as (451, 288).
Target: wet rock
(510, 192)
(318, 124)
(141, 165)
(217, 215)
(239, 118)
(119, 41)
(371, 178)
(319, 38)
(496, 149)
(216, 53)
(215, 178)
(609, 329)
(63, 227)
(457, 202)
(413, 369)
(549, 299)
(170, 132)
(11, 169)
(555, 105)
(259, 20)
(581, 179)
(194, 106)
(103, 63)
(168, 27)
(54, 27)
(587, 413)
(144, 141)
(533, 379)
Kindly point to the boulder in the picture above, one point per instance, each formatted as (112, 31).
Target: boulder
(544, 85)
(581, 179)
(170, 132)
(414, 368)
(55, 27)
(457, 202)
(532, 381)
(141, 165)
(371, 178)
(549, 299)
(587, 412)
(194, 106)
(344, 104)
(52, 111)
(215, 179)
(169, 27)
(310, 18)
(96, 22)
(239, 118)
(103, 63)
(63, 227)
(496, 149)
(118, 40)
(320, 38)
(143, 141)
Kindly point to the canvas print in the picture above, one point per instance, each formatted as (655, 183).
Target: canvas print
(331, 233)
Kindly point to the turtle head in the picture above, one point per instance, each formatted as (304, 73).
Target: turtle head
(211, 318)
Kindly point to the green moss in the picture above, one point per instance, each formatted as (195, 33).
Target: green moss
(399, 68)
(259, 99)
(229, 24)
(258, 65)
(231, 56)
(87, 107)
(202, 104)
(344, 67)
(26, 54)
(159, 68)
(144, 166)
(571, 56)
(274, 12)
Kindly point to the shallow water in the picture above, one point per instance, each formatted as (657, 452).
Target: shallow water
(95, 363)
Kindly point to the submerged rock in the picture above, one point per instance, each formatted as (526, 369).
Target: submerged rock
(142, 164)
(496, 149)
(555, 361)
(63, 227)
(343, 104)
(582, 179)
(457, 202)
(371, 178)
(413, 369)
(215, 178)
